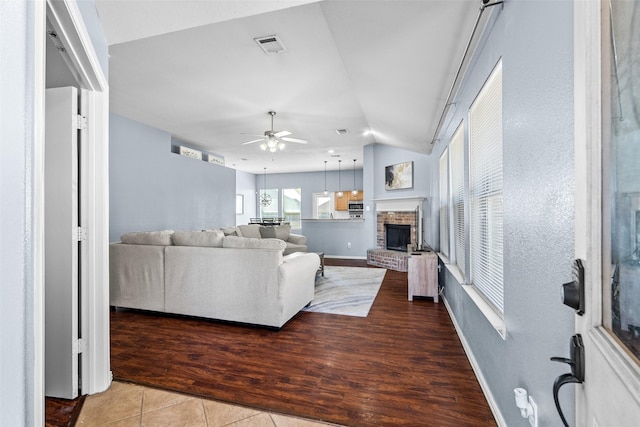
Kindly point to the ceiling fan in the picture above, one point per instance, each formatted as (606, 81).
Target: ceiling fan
(273, 140)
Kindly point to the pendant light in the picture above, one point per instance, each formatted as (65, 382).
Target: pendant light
(339, 180)
(325, 178)
(354, 191)
(265, 199)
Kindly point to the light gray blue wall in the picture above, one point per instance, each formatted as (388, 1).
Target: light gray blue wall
(16, 221)
(332, 238)
(535, 43)
(246, 185)
(384, 155)
(152, 188)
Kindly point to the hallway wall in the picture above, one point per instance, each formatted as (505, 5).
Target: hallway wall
(535, 42)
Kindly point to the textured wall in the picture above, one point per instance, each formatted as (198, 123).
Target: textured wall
(535, 43)
(152, 188)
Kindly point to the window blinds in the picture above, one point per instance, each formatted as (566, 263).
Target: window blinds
(456, 153)
(485, 190)
(444, 206)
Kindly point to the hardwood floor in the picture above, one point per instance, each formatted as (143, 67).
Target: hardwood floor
(401, 365)
(62, 412)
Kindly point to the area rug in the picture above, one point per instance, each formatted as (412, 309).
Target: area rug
(349, 291)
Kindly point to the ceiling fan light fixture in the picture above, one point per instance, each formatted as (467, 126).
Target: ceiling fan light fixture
(281, 146)
(263, 146)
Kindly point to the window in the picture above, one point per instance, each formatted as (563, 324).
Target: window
(323, 205)
(291, 206)
(268, 203)
(444, 205)
(456, 154)
(485, 190)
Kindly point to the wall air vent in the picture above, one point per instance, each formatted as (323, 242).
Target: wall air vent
(271, 44)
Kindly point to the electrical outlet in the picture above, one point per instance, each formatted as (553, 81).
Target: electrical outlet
(349, 245)
(533, 418)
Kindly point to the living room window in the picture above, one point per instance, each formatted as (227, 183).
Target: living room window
(323, 205)
(456, 154)
(289, 207)
(292, 207)
(269, 202)
(444, 203)
(485, 191)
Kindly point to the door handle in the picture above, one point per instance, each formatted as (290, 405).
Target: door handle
(576, 362)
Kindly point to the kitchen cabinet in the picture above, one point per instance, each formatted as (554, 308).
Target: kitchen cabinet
(342, 203)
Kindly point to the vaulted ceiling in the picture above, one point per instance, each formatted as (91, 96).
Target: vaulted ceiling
(379, 69)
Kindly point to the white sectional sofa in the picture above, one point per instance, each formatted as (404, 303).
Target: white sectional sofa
(207, 274)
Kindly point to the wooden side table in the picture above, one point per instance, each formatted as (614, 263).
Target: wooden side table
(423, 275)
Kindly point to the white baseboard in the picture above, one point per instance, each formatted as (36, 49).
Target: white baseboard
(344, 257)
(476, 369)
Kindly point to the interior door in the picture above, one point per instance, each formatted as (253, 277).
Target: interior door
(607, 106)
(61, 243)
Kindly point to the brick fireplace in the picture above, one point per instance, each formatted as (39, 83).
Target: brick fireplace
(395, 211)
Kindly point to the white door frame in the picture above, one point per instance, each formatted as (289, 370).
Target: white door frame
(68, 23)
(609, 389)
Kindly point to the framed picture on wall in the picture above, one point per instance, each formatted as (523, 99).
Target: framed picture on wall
(398, 176)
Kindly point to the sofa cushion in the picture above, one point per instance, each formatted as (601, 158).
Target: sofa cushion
(158, 238)
(252, 243)
(267, 232)
(212, 239)
(250, 230)
(282, 232)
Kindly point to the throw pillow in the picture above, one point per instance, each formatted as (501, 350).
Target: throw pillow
(250, 230)
(229, 231)
(211, 239)
(251, 243)
(283, 232)
(267, 232)
(158, 238)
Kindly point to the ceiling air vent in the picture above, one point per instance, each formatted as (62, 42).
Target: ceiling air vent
(342, 131)
(271, 44)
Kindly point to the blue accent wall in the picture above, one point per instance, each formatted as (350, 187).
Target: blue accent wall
(536, 47)
(246, 186)
(152, 188)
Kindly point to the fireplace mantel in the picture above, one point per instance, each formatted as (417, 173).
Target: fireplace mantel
(398, 204)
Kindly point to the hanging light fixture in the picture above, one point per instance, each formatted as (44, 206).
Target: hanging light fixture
(354, 191)
(265, 199)
(339, 180)
(325, 178)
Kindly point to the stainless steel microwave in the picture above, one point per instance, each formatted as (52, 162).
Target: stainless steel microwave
(356, 206)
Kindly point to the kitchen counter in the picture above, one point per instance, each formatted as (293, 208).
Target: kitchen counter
(333, 220)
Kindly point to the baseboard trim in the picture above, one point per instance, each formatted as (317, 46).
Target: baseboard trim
(493, 405)
(344, 257)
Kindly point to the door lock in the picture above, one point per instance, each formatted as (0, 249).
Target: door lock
(573, 292)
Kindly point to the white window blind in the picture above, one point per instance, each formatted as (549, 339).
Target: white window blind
(485, 190)
(456, 154)
(444, 203)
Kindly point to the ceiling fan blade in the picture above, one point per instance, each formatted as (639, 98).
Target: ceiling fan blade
(282, 133)
(299, 141)
(251, 134)
(251, 142)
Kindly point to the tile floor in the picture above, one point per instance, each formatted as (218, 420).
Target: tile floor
(129, 405)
